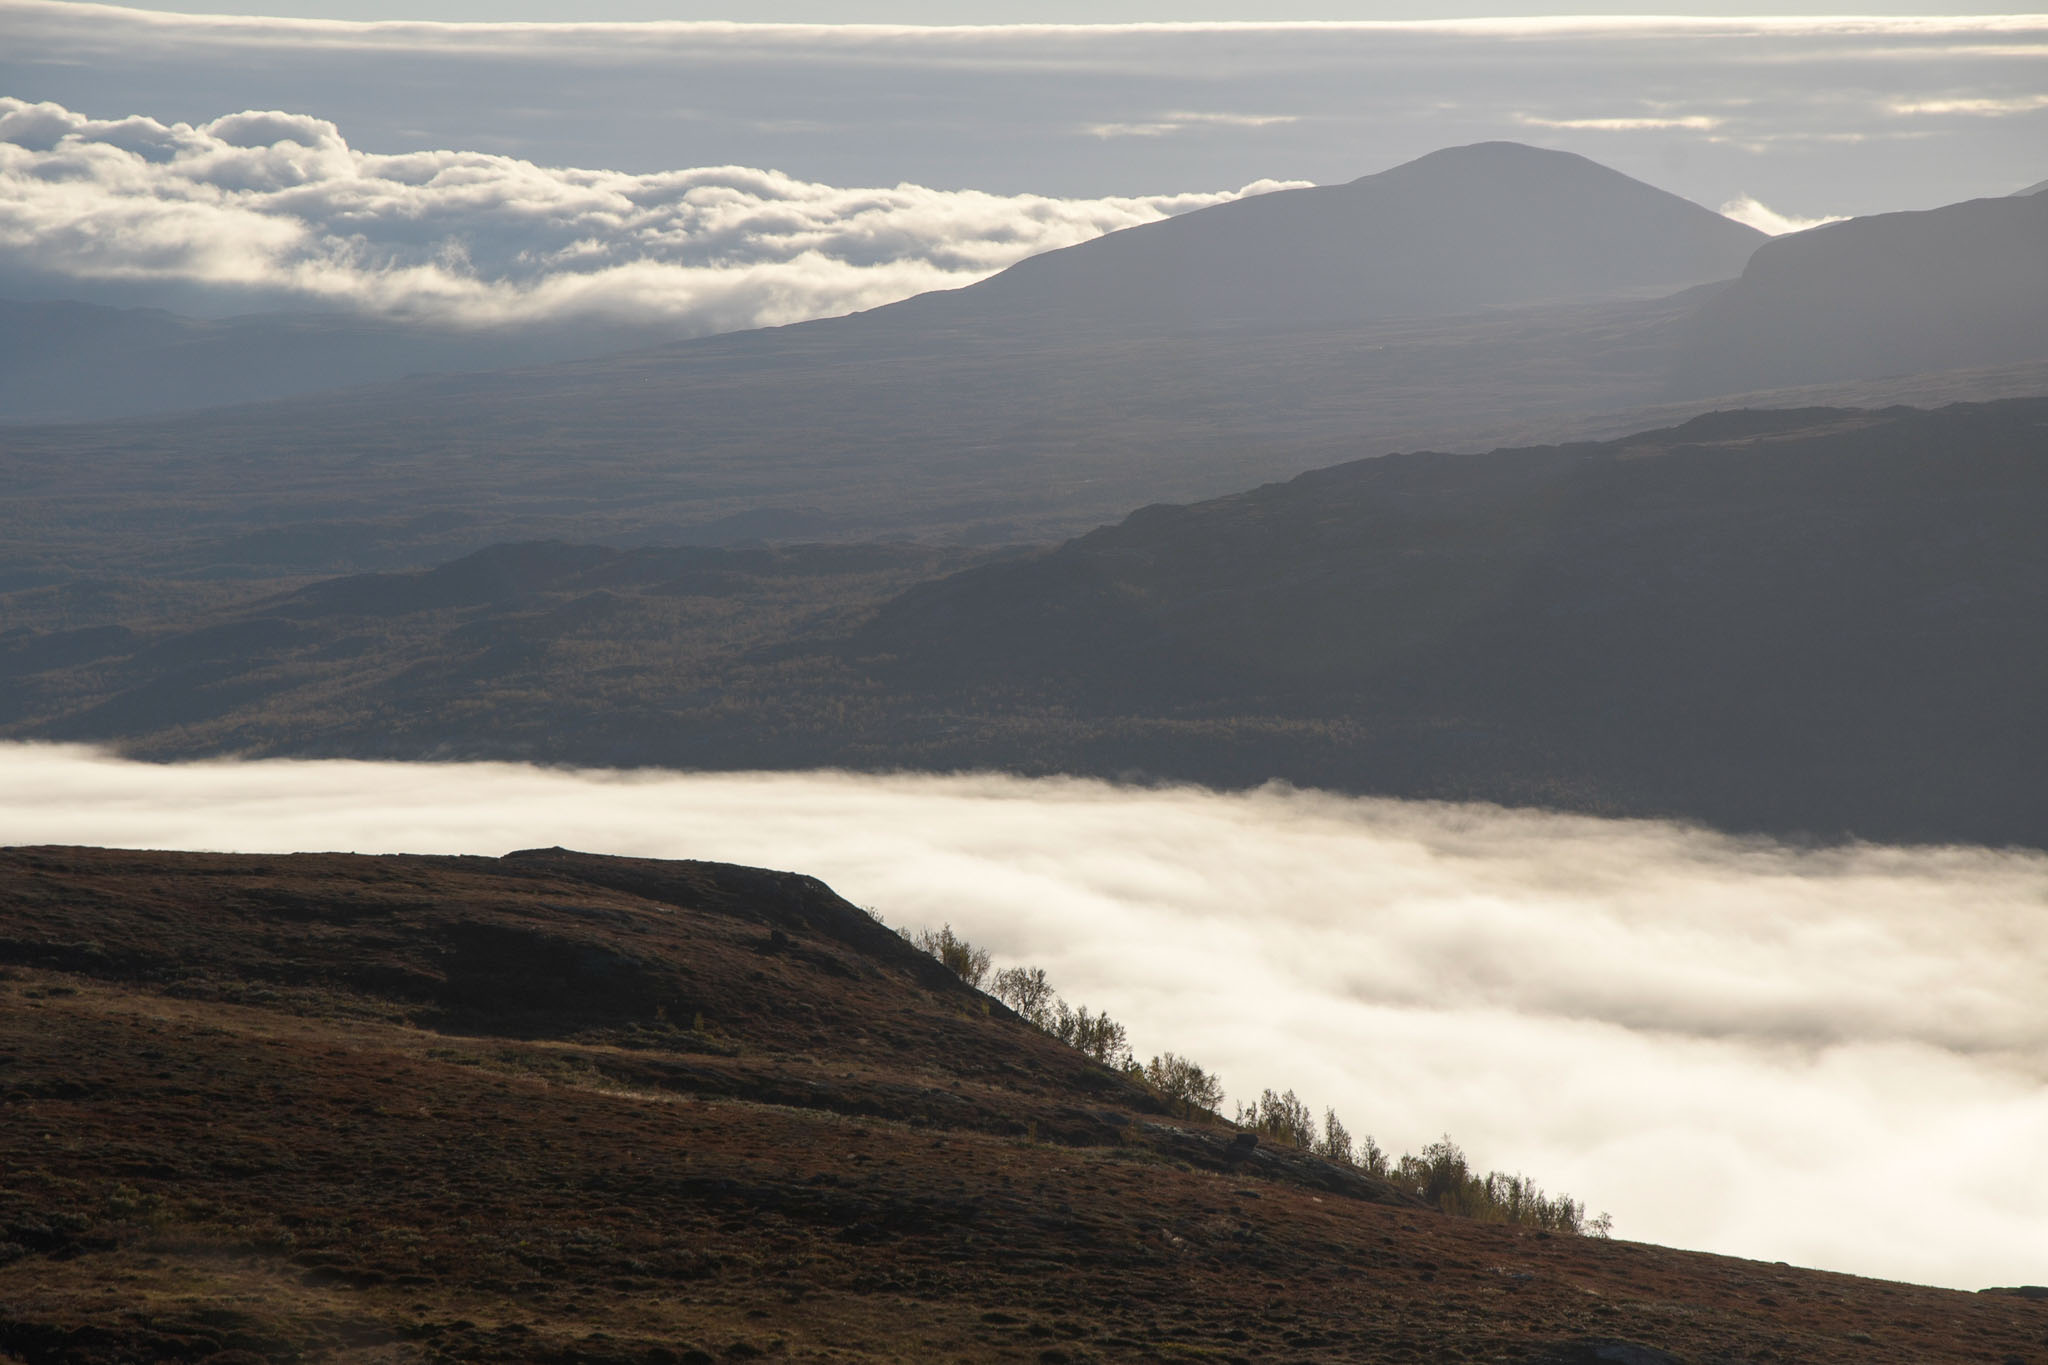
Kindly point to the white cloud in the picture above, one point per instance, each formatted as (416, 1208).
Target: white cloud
(1971, 107)
(277, 206)
(410, 32)
(1697, 122)
(1834, 1058)
(1088, 110)
(1180, 121)
(1761, 216)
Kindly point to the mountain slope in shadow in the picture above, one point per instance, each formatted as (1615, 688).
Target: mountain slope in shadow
(1825, 621)
(1894, 294)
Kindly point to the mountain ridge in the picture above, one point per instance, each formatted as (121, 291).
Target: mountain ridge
(1896, 293)
(1464, 229)
(1665, 625)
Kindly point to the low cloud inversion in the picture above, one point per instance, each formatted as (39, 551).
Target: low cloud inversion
(1835, 1058)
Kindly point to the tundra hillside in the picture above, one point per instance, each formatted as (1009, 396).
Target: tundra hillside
(580, 1109)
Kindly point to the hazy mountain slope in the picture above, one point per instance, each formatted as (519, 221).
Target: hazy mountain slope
(1818, 621)
(624, 656)
(1893, 294)
(1492, 225)
(1027, 408)
(73, 362)
(1036, 404)
(945, 432)
(1823, 621)
(1469, 228)
(608, 1111)
(2031, 189)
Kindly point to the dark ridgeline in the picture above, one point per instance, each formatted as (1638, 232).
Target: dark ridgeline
(1813, 622)
(1824, 622)
(1894, 294)
(1821, 622)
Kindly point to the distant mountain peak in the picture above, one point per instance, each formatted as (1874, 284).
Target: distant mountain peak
(1461, 230)
(1494, 155)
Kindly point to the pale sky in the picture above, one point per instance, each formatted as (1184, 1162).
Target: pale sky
(1045, 11)
(772, 172)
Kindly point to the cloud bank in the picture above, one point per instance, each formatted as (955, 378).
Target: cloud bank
(1834, 1058)
(1809, 114)
(276, 208)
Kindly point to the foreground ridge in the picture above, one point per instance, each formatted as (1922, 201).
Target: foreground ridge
(555, 1106)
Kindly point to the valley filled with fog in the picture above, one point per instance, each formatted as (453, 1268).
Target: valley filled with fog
(1447, 608)
(1829, 1056)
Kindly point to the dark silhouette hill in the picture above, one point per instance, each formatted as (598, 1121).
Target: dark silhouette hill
(1893, 294)
(1823, 621)
(62, 361)
(1820, 621)
(603, 1111)
(1492, 225)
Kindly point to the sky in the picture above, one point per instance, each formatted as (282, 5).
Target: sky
(469, 170)
(1834, 1058)
(981, 12)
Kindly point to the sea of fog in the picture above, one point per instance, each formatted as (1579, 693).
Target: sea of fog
(1834, 1058)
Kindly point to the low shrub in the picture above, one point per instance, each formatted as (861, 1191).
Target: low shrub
(1440, 1174)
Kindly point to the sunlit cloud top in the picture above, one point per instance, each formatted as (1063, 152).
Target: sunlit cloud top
(276, 207)
(1727, 1043)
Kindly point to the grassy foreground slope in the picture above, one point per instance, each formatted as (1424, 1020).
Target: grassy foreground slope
(556, 1107)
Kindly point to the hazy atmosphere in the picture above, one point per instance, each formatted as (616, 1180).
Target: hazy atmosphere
(1832, 1058)
(277, 210)
(964, 680)
(729, 175)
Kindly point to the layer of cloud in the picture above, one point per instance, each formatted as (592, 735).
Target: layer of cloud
(1181, 121)
(1800, 104)
(1972, 106)
(400, 33)
(1761, 216)
(1626, 124)
(274, 207)
(1834, 1058)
